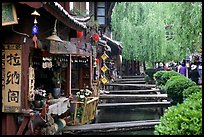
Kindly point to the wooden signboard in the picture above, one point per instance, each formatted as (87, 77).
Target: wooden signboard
(11, 78)
(82, 45)
(9, 16)
(64, 47)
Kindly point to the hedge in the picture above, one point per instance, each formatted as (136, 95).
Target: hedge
(190, 90)
(175, 87)
(163, 76)
(183, 119)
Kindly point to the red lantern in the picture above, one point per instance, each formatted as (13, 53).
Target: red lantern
(95, 37)
(79, 34)
(97, 60)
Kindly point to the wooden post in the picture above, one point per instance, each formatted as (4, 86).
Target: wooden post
(23, 126)
(91, 72)
(83, 117)
(75, 113)
(69, 72)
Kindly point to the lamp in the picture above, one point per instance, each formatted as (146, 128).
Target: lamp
(54, 36)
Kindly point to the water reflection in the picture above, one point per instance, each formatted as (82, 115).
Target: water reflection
(107, 115)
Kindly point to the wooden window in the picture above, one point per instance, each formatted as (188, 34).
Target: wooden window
(101, 13)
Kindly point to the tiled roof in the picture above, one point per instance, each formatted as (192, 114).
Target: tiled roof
(56, 4)
(113, 41)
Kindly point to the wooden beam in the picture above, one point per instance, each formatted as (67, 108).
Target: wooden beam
(137, 76)
(23, 126)
(134, 91)
(114, 96)
(129, 79)
(131, 85)
(35, 5)
(113, 125)
(143, 104)
(132, 82)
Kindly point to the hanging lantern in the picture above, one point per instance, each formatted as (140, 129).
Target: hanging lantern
(97, 60)
(35, 29)
(95, 37)
(79, 34)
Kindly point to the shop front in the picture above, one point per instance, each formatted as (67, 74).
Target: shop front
(41, 77)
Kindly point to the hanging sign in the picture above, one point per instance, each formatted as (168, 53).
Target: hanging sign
(31, 94)
(104, 69)
(11, 85)
(104, 80)
(104, 56)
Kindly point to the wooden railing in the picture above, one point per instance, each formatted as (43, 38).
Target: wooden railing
(89, 107)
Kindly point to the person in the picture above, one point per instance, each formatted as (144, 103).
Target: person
(161, 66)
(182, 69)
(193, 74)
(178, 66)
(200, 72)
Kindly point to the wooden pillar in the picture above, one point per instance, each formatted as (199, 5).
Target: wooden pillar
(91, 71)
(25, 73)
(69, 76)
(9, 126)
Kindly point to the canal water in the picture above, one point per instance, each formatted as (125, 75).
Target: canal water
(107, 115)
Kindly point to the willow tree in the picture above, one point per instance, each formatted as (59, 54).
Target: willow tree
(157, 31)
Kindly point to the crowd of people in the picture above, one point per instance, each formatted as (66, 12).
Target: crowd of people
(192, 69)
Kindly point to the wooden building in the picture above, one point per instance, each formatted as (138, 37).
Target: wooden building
(33, 64)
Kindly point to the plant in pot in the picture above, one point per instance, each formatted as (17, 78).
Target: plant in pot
(57, 81)
(81, 96)
(40, 95)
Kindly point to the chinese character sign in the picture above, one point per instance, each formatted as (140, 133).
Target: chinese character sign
(11, 91)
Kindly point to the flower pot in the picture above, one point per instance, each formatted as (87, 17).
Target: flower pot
(39, 103)
(56, 93)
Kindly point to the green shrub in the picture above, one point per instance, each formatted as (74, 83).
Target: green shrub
(162, 77)
(183, 119)
(190, 90)
(168, 74)
(157, 77)
(175, 87)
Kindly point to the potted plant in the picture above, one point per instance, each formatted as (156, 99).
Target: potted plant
(77, 111)
(57, 81)
(40, 95)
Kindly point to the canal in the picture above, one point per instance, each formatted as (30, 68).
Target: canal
(108, 115)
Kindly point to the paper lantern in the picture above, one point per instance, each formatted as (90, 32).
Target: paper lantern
(79, 34)
(35, 29)
(97, 60)
(95, 37)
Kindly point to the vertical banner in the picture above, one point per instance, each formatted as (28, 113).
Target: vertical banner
(11, 78)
